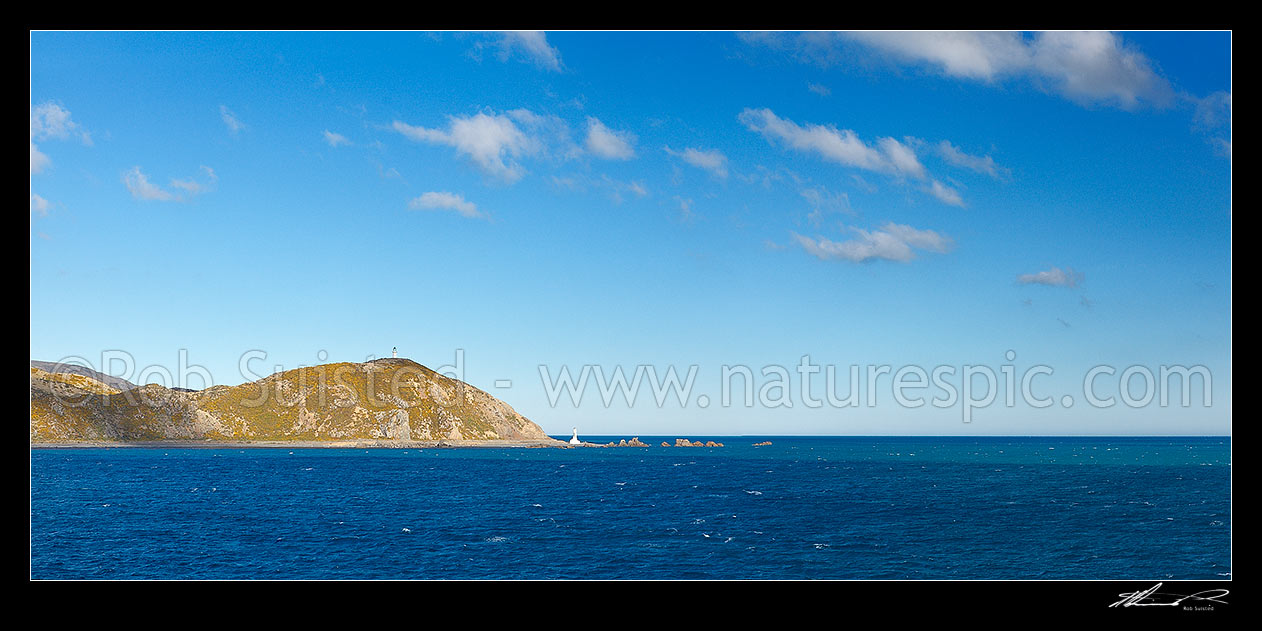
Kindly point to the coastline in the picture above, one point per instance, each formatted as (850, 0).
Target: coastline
(302, 444)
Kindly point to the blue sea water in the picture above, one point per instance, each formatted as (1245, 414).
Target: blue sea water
(813, 508)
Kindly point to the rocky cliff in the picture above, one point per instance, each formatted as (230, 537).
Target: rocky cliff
(385, 399)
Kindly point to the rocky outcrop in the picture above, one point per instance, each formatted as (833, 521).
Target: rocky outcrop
(684, 442)
(634, 442)
(386, 399)
(763, 443)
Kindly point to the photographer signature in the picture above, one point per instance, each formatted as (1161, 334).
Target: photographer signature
(1153, 598)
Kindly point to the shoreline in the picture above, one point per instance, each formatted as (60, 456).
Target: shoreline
(304, 444)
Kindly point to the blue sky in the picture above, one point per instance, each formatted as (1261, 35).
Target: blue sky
(646, 199)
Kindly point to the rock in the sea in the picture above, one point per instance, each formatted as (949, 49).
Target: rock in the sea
(665, 444)
(763, 443)
(634, 442)
(684, 442)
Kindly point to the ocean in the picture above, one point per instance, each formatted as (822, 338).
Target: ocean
(801, 508)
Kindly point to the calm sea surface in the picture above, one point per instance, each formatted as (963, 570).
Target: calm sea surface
(847, 508)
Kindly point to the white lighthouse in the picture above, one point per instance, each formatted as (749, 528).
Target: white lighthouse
(575, 440)
(395, 353)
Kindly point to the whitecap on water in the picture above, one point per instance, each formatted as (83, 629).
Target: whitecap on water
(753, 492)
(496, 539)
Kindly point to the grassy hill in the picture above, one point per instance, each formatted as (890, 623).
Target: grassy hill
(385, 399)
(116, 383)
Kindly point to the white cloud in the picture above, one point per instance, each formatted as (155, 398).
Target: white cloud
(971, 55)
(234, 124)
(492, 141)
(193, 187)
(891, 242)
(1213, 114)
(1214, 110)
(1098, 67)
(685, 210)
(446, 201)
(843, 146)
(1055, 277)
(945, 194)
(956, 157)
(1089, 68)
(711, 160)
(50, 121)
(824, 203)
(1223, 147)
(549, 134)
(1093, 67)
(141, 188)
(335, 139)
(821, 90)
(533, 45)
(423, 134)
(927, 240)
(615, 189)
(607, 143)
(902, 157)
(39, 161)
(569, 183)
(39, 205)
(837, 145)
